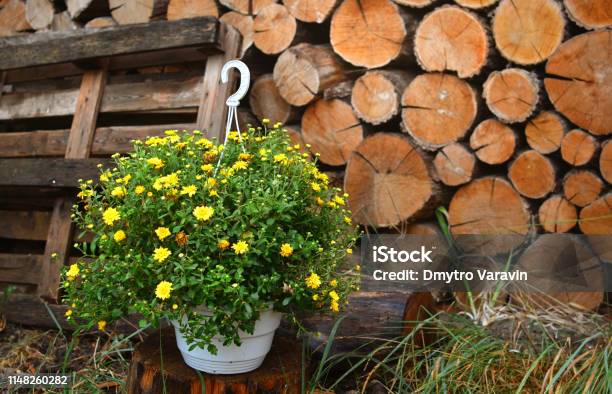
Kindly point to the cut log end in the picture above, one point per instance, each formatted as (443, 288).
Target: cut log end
(39, 13)
(454, 165)
(519, 33)
(476, 4)
(596, 218)
(367, 33)
(415, 3)
(182, 9)
(581, 187)
(488, 205)
(532, 174)
(451, 38)
(545, 132)
(273, 29)
(511, 94)
(605, 161)
(242, 23)
(557, 215)
(13, 18)
(578, 148)
(592, 14)
(388, 182)
(310, 11)
(493, 142)
(376, 95)
(126, 12)
(103, 21)
(438, 109)
(247, 7)
(332, 129)
(267, 103)
(580, 81)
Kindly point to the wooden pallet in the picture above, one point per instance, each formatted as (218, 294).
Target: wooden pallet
(68, 100)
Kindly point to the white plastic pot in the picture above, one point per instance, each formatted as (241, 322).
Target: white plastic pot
(233, 359)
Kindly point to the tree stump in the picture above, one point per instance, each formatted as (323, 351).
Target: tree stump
(280, 372)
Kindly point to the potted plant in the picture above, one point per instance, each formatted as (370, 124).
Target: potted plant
(219, 239)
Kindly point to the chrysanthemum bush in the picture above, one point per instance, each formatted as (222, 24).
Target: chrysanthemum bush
(183, 225)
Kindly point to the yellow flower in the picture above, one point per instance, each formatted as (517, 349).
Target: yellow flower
(119, 236)
(163, 290)
(315, 297)
(119, 191)
(320, 201)
(213, 193)
(110, 216)
(68, 313)
(85, 193)
(349, 251)
(347, 220)
(245, 156)
(334, 306)
(333, 283)
(181, 239)
(189, 190)
(206, 143)
(240, 247)
(161, 254)
(156, 162)
(149, 194)
(322, 177)
(315, 186)
(263, 152)
(162, 233)
(73, 272)
(170, 132)
(339, 200)
(104, 177)
(211, 182)
(125, 179)
(240, 165)
(174, 306)
(313, 281)
(265, 121)
(203, 213)
(207, 168)
(102, 325)
(332, 204)
(333, 295)
(170, 180)
(158, 185)
(223, 244)
(280, 157)
(286, 250)
(139, 189)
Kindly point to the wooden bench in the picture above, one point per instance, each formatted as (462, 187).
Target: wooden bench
(68, 100)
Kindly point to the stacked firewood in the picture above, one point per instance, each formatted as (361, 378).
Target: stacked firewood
(499, 109)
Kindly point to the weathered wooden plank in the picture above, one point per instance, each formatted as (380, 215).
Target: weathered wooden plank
(149, 95)
(48, 171)
(20, 268)
(32, 225)
(107, 140)
(212, 112)
(78, 45)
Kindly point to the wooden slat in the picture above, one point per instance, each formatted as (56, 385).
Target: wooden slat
(77, 45)
(150, 95)
(25, 225)
(48, 172)
(213, 111)
(107, 140)
(20, 268)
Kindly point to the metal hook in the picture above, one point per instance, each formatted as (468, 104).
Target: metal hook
(245, 80)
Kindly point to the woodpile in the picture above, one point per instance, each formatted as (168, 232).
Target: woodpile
(498, 109)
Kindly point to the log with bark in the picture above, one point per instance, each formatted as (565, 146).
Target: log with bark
(13, 18)
(438, 109)
(578, 148)
(581, 187)
(39, 13)
(493, 142)
(243, 23)
(247, 7)
(532, 174)
(511, 94)
(311, 11)
(182, 9)
(126, 12)
(454, 164)
(605, 161)
(545, 132)
(274, 29)
(388, 181)
(267, 103)
(596, 218)
(375, 96)
(590, 14)
(557, 215)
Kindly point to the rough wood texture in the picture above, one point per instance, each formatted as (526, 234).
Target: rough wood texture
(511, 94)
(127, 12)
(476, 4)
(545, 132)
(273, 29)
(103, 21)
(451, 38)
(528, 31)
(13, 18)
(578, 148)
(39, 13)
(488, 205)
(63, 22)
(605, 161)
(244, 24)
(47, 172)
(581, 187)
(183, 9)
(368, 33)
(83, 10)
(388, 182)
(454, 164)
(332, 129)
(493, 142)
(580, 82)
(20, 269)
(311, 11)
(532, 174)
(596, 218)
(557, 215)
(438, 109)
(44, 49)
(590, 14)
(415, 3)
(305, 70)
(267, 103)
(157, 366)
(247, 7)
(375, 96)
